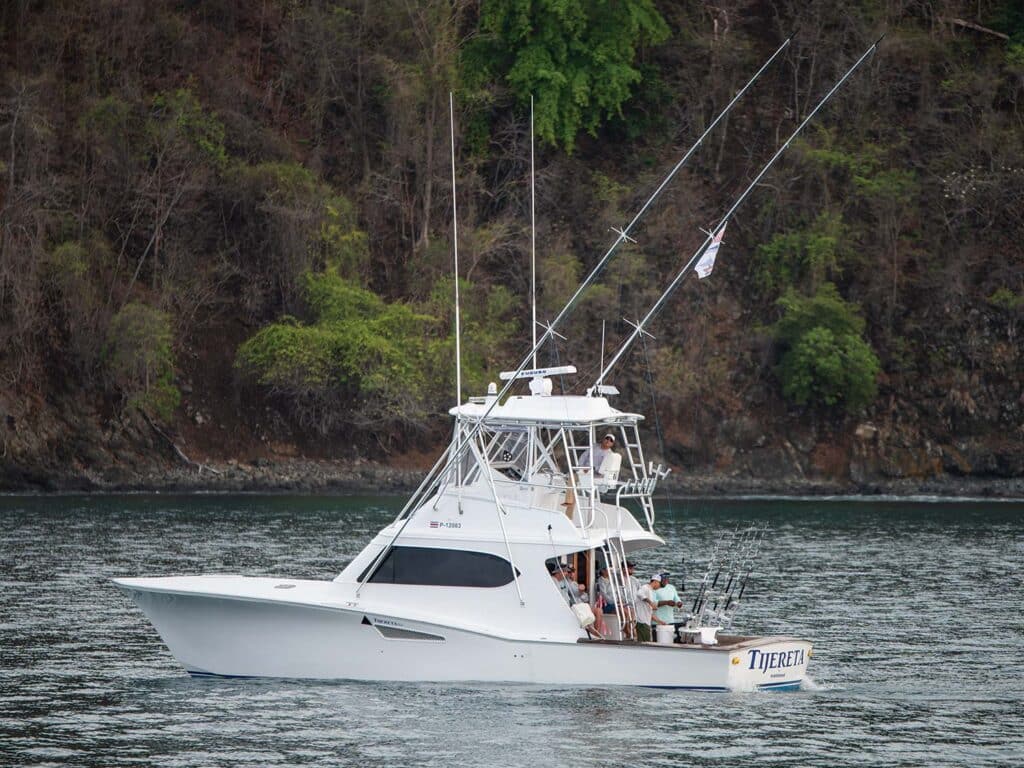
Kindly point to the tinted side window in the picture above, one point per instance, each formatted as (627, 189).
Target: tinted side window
(442, 568)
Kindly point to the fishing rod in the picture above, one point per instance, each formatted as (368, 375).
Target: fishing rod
(449, 459)
(742, 563)
(737, 559)
(704, 579)
(623, 236)
(734, 555)
(716, 554)
(733, 564)
(722, 547)
(746, 568)
(714, 233)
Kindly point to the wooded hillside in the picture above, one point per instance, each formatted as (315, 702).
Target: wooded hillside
(227, 226)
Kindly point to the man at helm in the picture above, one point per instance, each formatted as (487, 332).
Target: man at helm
(595, 455)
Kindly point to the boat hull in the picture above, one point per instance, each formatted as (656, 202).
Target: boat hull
(216, 635)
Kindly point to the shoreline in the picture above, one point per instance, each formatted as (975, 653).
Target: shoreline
(360, 477)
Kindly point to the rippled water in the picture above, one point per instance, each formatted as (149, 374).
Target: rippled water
(914, 609)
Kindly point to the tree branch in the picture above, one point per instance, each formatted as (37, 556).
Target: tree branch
(180, 454)
(972, 25)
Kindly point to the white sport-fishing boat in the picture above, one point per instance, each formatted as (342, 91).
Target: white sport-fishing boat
(459, 587)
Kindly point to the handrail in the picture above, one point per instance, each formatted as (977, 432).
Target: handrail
(615, 562)
(574, 485)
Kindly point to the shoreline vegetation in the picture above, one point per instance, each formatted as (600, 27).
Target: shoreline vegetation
(359, 476)
(226, 237)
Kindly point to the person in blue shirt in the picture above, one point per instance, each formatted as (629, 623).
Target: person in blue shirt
(667, 599)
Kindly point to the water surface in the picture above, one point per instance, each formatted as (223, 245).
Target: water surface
(914, 610)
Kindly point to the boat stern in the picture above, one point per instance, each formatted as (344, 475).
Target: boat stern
(769, 664)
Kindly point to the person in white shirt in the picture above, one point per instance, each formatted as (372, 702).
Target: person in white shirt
(595, 455)
(645, 605)
(577, 591)
(591, 460)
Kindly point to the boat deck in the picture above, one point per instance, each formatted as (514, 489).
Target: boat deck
(725, 643)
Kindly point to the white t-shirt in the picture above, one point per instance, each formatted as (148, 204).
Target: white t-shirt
(594, 457)
(643, 608)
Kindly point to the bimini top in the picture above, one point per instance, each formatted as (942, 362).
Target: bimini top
(555, 410)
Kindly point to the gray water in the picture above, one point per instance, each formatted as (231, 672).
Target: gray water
(914, 610)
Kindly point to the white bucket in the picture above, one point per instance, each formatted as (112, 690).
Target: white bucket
(584, 613)
(665, 633)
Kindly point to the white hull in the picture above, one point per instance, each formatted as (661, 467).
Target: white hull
(228, 635)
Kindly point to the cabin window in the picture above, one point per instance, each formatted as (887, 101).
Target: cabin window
(427, 566)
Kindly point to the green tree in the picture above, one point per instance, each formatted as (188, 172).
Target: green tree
(825, 360)
(289, 222)
(487, 328)
(577, 57)
(802, 257)
(140, 361)
(359, 361)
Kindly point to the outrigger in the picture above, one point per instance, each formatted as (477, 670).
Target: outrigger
(457, 587)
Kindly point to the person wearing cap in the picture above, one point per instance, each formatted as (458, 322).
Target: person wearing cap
(667, 599)
(645, 605)
(557, 572)
(595, 455)
(576, 590)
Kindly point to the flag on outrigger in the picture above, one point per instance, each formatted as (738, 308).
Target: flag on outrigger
(707, 261)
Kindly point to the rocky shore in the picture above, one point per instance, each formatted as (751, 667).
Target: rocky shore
(359, 476)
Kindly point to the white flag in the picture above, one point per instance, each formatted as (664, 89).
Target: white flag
(707, 261)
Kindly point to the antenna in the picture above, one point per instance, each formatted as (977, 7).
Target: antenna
(458, 326)
(725, 219)
(455, 243)
(533, 242)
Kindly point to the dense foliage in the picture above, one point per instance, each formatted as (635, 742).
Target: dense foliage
(360, 359)
(186, 186)
(577, 58)
(140, 360)
(826, 361)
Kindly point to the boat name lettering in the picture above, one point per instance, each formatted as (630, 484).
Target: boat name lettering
(387, 623)
(444, 524)
(775, 660)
